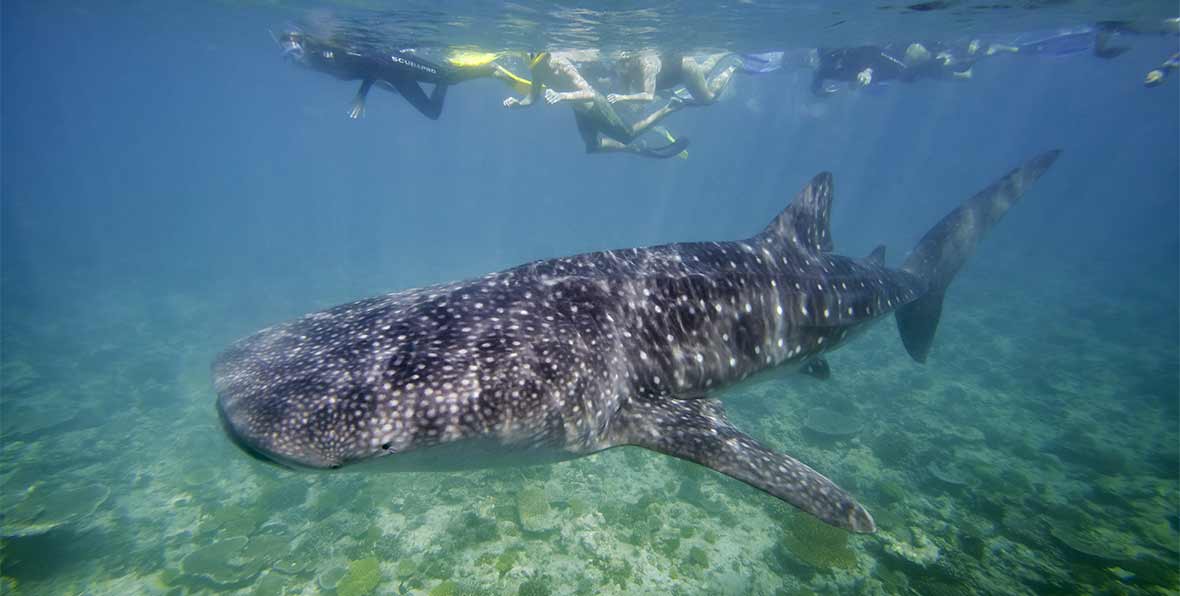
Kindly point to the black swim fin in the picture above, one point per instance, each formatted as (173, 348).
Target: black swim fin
(670, 150)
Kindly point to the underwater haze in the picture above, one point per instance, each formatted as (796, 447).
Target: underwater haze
(170, 184)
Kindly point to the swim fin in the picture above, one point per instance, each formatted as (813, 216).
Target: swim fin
(462, 58)
(671, 139)
(670, 150)
(761, 63)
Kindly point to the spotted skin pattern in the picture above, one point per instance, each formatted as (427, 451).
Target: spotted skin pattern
(570, 356)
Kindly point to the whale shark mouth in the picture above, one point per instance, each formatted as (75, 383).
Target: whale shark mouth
(238, 433)
(242, 443)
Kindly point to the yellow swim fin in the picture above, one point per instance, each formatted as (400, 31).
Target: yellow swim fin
(463, 58)
(473, 59)
(671, 139)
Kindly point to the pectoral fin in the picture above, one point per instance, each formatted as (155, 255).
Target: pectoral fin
(698, 431)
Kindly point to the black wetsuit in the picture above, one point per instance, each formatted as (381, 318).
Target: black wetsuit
(887, 62)
(400, 71)
(844, 64)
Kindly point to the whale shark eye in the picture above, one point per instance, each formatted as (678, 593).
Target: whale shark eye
(386, 446)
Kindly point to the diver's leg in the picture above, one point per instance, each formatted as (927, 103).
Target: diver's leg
(654, 118)
(719, 82)
(711, 61)
(996, 48)
(705, 92)
(587, 130)
(358, 103)
(432, 106)
(467, 73)
(606, 145)
(437, 97)
(607, 121)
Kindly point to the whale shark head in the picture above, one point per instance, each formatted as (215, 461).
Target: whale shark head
(352, 384)
(288, 405)
(292, 446)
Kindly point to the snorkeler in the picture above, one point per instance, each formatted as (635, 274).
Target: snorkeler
(937, 61)
(1156, 76)
(402, 72)
(664, 71)
(601, 128)
(874, 65)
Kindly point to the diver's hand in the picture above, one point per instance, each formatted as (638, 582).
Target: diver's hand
(357, 111)
(552, 96)
(511, 102)
(865, 77)
(614, 97)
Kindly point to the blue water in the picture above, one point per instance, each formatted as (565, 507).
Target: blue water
(169, 184)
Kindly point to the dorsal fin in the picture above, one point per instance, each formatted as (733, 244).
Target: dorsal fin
(877, 257)
(805, 222)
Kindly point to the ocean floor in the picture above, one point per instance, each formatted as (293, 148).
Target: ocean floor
(1036, 453)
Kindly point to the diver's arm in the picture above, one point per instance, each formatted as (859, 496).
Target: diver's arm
(358, 103)
(527, 100)
(565, 67)
(534, 90)
(651, 67)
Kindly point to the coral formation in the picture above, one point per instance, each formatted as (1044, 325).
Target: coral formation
(817, 544)
(535, 514)
(220, 564)
(43, 508)
(918, 549)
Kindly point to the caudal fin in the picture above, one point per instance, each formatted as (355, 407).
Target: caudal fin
(947, 246)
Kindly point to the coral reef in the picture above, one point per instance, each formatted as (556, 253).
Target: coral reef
(535, 514)
(918, 549)
(42, 508)
(221, 564)
(817, 544)
(362, 578)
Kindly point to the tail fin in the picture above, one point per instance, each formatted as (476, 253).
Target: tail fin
(945, 248)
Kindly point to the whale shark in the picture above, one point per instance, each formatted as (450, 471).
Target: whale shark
(561, 358)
